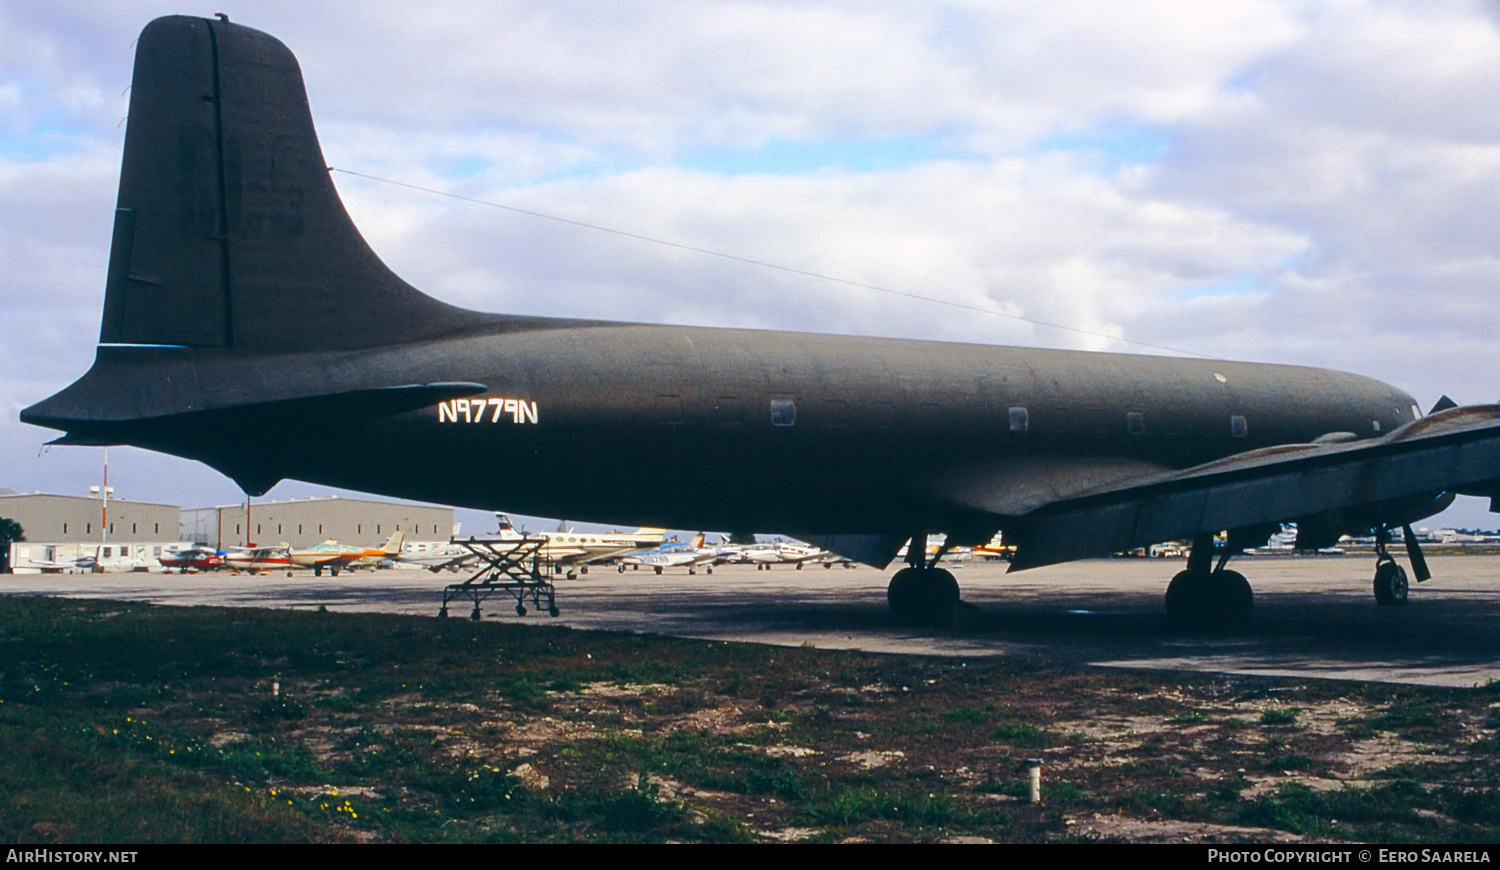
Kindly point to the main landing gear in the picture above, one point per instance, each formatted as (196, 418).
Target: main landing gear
(1205, 598)
(921, 593)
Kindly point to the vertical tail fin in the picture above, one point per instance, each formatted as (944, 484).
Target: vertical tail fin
(229, 232)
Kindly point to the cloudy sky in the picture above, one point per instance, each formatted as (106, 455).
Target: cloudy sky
(1301, 182)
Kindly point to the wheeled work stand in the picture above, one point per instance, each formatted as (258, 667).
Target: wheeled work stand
(510, 567)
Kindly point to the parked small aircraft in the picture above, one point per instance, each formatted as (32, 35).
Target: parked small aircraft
(199, 557)
(253, 559)
(677, 554)
(334, 557)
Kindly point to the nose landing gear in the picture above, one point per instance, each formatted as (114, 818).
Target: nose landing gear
(1391, 585)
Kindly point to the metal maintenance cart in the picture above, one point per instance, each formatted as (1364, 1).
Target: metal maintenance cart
(512, 567)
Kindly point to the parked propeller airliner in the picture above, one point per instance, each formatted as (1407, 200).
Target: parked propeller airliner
(249, 326)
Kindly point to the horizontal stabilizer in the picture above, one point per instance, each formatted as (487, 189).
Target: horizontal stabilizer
(241, 454)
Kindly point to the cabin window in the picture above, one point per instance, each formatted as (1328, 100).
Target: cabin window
(1020, 420)
(783, 412)
(727, 412)
(1239, 427)
(1135, 422)
(669, 410)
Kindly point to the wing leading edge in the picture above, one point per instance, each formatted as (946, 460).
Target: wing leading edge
(1453, 451)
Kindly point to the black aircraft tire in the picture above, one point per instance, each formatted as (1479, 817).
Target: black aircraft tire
(1217, 602)
(1185, 597)
(904, 595)
(1391, 586)
(1234, 601)
(942, 598)
(923, 596)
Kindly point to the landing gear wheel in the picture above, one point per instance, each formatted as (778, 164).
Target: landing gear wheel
(1220, 601)
(923, 596)
(1391, 586)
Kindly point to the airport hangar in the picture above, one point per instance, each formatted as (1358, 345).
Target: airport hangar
(62, 528)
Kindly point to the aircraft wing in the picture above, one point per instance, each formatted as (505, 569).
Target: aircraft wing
(1453, 451)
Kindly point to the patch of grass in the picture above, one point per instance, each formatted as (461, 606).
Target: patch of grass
(124, 723)
(1279, 716)
(1020, 734)
(850, 806)
(1289, 761)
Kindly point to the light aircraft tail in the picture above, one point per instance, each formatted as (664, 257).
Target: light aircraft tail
(393, 544)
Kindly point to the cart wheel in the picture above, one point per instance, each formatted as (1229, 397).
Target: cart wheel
(554, 611)
(520, 610)
(474, 617)
(443, 613)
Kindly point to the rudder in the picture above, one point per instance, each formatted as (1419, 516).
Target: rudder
(229, 232)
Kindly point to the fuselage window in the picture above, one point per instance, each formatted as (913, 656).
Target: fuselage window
(726, 412)
(669, 410)
(1239, 427)
(1135, 422)
(783, 412)
(1020, 420)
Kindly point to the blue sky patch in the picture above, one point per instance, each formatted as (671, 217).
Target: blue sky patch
(1111, 147)
(784, 157)
(1239, 285)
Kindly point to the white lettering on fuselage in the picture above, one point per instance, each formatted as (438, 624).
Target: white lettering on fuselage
(486, 411)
